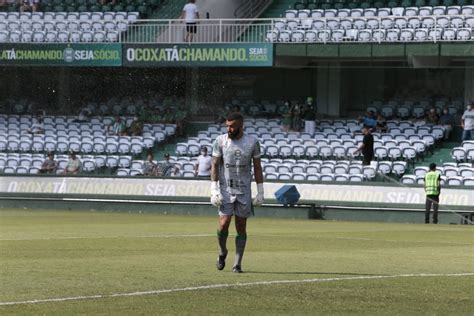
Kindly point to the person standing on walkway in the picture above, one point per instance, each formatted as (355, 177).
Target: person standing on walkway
(467, 123)
(366, 147)
(190, 15)
(432, 190)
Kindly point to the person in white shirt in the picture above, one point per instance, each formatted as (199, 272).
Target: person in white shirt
(190, 15)
(37, 127)
(467, 123)
(203, 165)
(29, 6)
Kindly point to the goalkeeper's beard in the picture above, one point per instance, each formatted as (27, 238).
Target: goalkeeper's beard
(233, 135)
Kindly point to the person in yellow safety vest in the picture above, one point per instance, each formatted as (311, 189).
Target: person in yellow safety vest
(432, 190)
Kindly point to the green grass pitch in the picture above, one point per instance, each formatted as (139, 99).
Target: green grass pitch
(52, 254)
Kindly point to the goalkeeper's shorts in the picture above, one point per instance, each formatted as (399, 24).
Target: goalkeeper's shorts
(236, 204)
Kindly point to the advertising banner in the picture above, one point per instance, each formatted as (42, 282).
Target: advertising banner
(68, 54)
(202, 55)
(142, 186)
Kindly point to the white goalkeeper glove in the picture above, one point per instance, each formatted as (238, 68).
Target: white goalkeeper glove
(260, 196)
(216, 197)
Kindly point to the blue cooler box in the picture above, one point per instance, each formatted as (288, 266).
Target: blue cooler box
(287, 195)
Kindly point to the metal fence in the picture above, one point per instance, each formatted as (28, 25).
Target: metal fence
(207, 31)
(303, 30)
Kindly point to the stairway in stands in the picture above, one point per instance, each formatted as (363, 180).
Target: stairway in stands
(170, 9)
(277, 8)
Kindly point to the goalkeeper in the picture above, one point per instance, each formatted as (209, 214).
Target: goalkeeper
(231, 178)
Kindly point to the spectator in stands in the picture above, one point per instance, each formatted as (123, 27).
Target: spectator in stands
(84, 115)
(149, 167)
(180, 118)
(366, 147)
(166, 168)
(286, 122)
(309, 116)
(285, 112)
(432, 116)
(73, 164)
(29, 6)
(49, 165)
(295, 112)
(190, 15)
(381, 124)
(136, 128)
(467, 123)
(369, 120)
(432, 190)
(37, 127)
(118, 127)
(203, 165)
(446, 120)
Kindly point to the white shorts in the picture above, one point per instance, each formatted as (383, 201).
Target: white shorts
(239, 205)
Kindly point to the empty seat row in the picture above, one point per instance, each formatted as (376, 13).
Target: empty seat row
(59, 37)
(405, 111)
(381, 12)
(449, 171)
(465, 153)
(374, 23)
(71, 16)
(120, 26)
(83, 147)
(452, 180)
(369, 35)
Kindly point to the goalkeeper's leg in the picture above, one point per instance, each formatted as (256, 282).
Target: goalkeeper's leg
(222, 234)
(240, 242)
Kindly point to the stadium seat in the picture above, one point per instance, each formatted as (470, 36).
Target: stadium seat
(408, 179)
(455, 181)
(458, 154)
(123, 172)
(468, 181)
(112, 162)
(88, 165)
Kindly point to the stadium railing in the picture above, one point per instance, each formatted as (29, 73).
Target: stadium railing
(381, 29)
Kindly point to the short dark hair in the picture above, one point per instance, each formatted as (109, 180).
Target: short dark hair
(235, 116)
(204, 148)
(432, 166)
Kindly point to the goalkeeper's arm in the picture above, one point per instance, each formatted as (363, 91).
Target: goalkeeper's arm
(257, 171)
(216, 197)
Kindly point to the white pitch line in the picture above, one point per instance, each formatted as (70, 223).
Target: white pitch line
(229, 285)
(404, 241)
(108, 237)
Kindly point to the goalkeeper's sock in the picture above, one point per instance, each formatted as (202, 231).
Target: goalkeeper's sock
(240, 241)
(222, 238)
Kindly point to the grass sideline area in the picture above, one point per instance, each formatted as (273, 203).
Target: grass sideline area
(362, 268)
